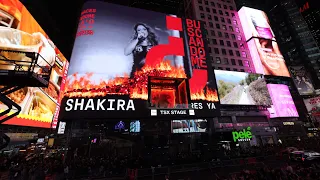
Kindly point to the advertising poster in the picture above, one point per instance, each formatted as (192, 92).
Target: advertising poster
(133, 64)
(264, 50)
(188, 126)
(283, 104)
(19, 31)
(240, 88)
(313, 105)
(302, 80)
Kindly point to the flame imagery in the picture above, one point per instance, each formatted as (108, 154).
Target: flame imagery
(136, 87)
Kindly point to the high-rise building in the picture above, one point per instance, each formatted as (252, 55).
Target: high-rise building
(225, 37)
(310, 10)
(295, 39)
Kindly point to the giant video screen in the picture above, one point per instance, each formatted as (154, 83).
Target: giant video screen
(241, 88)
(264, 49)
(19, 31)
(134, 64)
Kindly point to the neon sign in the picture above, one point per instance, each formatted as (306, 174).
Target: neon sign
(243, 135)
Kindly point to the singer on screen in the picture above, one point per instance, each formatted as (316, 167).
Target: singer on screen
(143, 40)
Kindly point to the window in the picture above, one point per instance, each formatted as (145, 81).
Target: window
(213, 33)
(224, 27)
(235, 69)
(218, 60)
(242, 70)
(235, 44)
(220, 68)
(216, 18)
(214, 11)
(230, 7)
(229, 21)
(219, 34)
(233, 62)
(216, 50)
(226, 13)
(231, 28)
(237, 30)
(226, 35)
(240, 63)
(202, 15)
(200, 1)
(206, 3)
(225, 61)
(224, 52)
(238, 53)
(210, 50)
(228, 69)
(207, 9)
(239, 37)
(235, 22)
(209, 17)
(225, 7)
(214, 41)
(222, 19)
(231, 52)
(244, 54)
(219, 5)
(233, 36)
(246, 63)
(201, 8)
(228, 43)
(221, 42)
(249, 71)
(211, 24)
(220, 12)
(241, 45)
(212, 4)
(218, 26)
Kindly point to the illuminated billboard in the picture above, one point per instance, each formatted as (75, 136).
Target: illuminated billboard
(264, 50)
(302, 80)
(241, 88)
(313, 105)
(189, 126)
(19, 31)
(283, 104)
(132, 63)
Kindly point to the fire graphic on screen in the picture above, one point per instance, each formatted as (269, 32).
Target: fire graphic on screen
(163, 98)
(136, 87)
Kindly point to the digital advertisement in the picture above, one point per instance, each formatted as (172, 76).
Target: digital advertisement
(264, 50)
(302, 80)
(126, 64)
(283, 104)
(313, 105)
(19, 31)
(188, 126)
(241, 88)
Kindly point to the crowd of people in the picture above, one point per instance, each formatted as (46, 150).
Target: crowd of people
(110, 163)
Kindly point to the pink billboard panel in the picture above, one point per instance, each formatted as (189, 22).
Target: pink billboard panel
(267, 58)
(255, 24)
(283, 105)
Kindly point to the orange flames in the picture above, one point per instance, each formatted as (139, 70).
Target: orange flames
(210, 95)
(136, 88)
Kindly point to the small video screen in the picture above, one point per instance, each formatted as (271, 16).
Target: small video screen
(135, 126)
(189, 126)
(168, 93)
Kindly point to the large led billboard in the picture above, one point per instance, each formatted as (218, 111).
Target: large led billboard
(302, 80)
(241, 88)
(264, 50)
(19, 31)
(133, 63)
(282, 102)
